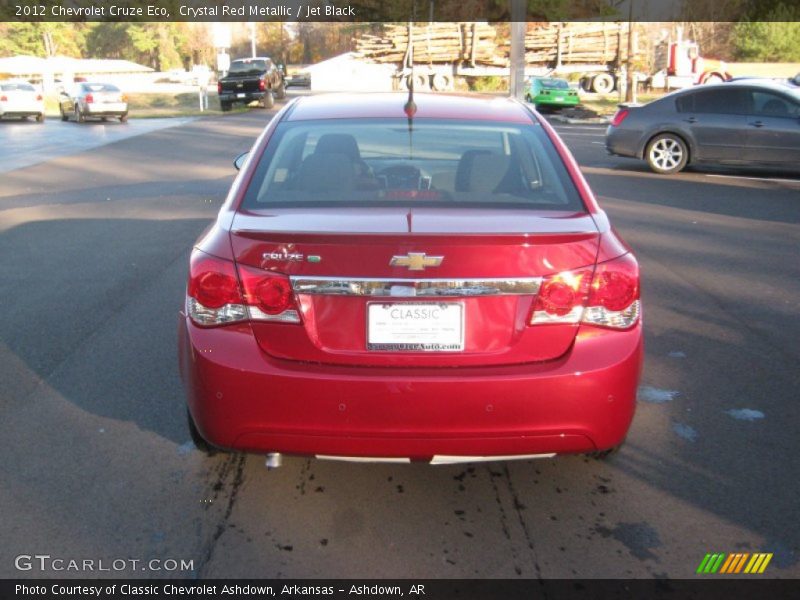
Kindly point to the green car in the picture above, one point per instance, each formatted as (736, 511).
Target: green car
(549, 91)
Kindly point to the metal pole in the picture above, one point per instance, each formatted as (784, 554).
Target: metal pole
(629, 79)
(516, 82)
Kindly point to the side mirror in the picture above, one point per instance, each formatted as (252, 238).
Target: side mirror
(240, 160)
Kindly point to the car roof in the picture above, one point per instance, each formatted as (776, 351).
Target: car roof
(389, 105)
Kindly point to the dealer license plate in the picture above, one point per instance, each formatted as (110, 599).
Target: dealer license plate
(415, 327)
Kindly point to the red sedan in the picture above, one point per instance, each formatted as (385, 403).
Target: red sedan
(411, 280)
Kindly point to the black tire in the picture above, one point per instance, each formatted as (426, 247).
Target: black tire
(123, 118)
(225, 106)
(605, 454)
(268, 101)
(197, 439)
(79, 116)
(64, 116)
(602, 83)
(40, 118)
(666, 154)
(280, 91)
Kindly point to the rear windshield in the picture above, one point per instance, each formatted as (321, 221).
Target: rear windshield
(242, 67)
(99, 87)
(12, 87)
(387, 162)
(554, 84)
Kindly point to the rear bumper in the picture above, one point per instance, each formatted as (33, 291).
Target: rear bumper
(242, 399)
(105, 110)
(237, 97)
(623, 142)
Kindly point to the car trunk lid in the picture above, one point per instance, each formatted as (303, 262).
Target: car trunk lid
(480, 268)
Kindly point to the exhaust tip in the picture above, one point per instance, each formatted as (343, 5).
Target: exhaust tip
(274, 460)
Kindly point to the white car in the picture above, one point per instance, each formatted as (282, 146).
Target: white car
(20, 99)
(84, 100)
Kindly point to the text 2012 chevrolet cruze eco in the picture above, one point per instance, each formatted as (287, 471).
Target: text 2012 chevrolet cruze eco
(429, 280)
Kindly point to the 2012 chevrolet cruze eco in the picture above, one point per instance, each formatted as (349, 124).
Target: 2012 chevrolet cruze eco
(424, 280)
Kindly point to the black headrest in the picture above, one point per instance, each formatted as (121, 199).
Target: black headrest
(338, 143)
(326, 172)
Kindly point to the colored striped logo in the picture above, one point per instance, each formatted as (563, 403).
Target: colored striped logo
(738, 562)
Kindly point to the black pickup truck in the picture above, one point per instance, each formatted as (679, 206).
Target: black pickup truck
(251, 79)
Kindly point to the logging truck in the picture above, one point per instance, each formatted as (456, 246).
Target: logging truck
(433, 55)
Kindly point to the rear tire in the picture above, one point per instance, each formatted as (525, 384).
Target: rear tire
(602, 83)
(442, 82)
(225, 106)
(40, 118)
(280, 91)
(79, 116)
(605, 454)
(64, 116)
(666, 154)
(197, 439)
(123, 118)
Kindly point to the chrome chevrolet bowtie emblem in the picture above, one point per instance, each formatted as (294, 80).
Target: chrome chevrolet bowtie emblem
(416, 261)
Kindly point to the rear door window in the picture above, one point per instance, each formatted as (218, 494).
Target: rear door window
(769, 104)
(720, 101)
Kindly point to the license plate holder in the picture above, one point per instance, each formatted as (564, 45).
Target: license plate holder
(415, 326)
(240, 95)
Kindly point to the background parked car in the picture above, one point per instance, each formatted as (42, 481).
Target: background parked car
(20, 99)
(748, 122)
(549, 91)
(92, 100)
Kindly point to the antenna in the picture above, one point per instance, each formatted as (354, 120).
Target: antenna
(410, 107)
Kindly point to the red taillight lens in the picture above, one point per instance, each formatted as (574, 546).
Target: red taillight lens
(219, 88)
(619, 117)
(3, 98)
(213, 295)
(88, 99)
(212, 281)
(607, 298)
(262, 85)
(614, 294)
(268, 295)
(39, 97)
(561, 297)
(274, 295)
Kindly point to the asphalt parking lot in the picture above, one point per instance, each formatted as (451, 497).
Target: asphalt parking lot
(98, 461)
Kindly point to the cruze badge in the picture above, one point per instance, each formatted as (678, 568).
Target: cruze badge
(416, 261)
(288, 256)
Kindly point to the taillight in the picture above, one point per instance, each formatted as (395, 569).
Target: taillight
(607, 298)
(3, 98)
(268, 295)
(614, 294)
(262, 85)
(215, 296)
(219, 88)
(39, 97)
(562, 297)
(88, 99)
(619, 117)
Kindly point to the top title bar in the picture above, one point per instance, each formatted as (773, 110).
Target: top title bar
(391, 10)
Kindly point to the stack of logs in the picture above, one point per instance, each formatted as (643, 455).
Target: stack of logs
(478, 44)
(473, 43)
(576, 43)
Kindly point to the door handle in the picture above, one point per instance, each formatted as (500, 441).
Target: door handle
(756, 124)
(691, 120)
